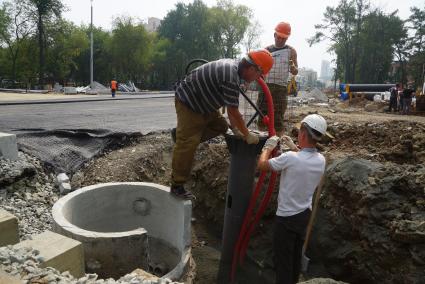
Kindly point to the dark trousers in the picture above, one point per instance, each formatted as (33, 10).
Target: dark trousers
(393, 103)
(288, 240)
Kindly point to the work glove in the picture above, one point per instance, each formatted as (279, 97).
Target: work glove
(288, 142)
(236, 132)
(252, 138)
(271, 143)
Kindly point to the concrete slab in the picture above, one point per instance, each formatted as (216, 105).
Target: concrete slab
(70, 90)
(58, 251)
(8, 228)
(8, 279)
(8, 146)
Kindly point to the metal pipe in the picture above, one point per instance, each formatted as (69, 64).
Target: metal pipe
(369, 87)
(91, 45)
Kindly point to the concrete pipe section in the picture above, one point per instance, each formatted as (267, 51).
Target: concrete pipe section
(124, 226)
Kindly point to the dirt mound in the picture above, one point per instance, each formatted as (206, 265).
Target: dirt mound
(372, 227)
(147, 158)
(313, 95)
(397, 141)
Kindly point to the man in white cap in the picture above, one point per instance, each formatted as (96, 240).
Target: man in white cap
(301, 170)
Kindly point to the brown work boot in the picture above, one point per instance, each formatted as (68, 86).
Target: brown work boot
(179, 192)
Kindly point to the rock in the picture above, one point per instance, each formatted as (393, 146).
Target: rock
(371, 107)
(62, 178)
(371, 216)
(64, 188)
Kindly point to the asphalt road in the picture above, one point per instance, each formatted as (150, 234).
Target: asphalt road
(135, 115)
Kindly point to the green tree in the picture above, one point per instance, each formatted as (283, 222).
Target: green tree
(161, 73)
(416, 24)
(43, 11)
(188, 30)
(364, 41)
(101, 58)
(362, 7)
(66, 43)
(252, 36)
(15, 27)
(339, 27)
(377, 46)
(230, 23)
(196, 31)
(130, 49)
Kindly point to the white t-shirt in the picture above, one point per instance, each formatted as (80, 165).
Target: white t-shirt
(300, 175)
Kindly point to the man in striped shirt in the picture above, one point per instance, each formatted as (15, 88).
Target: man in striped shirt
(199, 97)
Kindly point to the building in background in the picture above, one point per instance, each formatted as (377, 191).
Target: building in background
(307, 78)
(326, 74)
(326, 71)
(153, 24)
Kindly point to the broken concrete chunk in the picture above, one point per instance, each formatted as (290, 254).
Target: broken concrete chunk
(61, 178)
(65, 188)
(8, 146)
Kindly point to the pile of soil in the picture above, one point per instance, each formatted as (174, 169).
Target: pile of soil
(372, 224)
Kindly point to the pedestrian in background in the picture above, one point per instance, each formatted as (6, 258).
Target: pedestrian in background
(114, 87)
(408, 94)
(393, 97)
(300, 172)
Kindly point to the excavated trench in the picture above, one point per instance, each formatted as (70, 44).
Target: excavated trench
(370, 226)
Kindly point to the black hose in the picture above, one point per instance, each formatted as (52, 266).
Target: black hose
(197, 60)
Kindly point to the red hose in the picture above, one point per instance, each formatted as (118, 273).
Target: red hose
(258, 216)
(248, 226)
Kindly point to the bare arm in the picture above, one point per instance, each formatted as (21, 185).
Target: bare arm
(263, 161)
(294, 66)
(236, 120)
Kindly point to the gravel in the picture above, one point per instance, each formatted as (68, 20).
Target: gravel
(24, 264)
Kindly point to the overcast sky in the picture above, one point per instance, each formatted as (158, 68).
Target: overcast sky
(301, 14)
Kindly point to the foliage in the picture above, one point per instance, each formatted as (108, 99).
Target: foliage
(416, 23)
(130, 49)
(229, 23)
(366, 42)
(43, 12)
(15, 27)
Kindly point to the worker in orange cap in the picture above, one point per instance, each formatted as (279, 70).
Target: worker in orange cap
(199, 96)
(285, 63)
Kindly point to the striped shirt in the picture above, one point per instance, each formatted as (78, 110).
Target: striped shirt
(211, 86)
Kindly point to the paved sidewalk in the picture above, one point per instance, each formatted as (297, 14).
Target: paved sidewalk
(36, 98)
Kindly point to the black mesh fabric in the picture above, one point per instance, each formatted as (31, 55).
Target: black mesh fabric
(66, 150)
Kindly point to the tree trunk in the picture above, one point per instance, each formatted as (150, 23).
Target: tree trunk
(40, 28)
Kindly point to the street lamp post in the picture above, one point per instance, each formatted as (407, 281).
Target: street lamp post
(91, 46)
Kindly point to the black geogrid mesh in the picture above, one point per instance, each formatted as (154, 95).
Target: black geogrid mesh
(66, 150)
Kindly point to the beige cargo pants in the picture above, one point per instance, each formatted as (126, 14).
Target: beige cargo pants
(192, 129)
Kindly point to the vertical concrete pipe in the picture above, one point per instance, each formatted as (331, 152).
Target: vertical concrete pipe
(243, 161)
